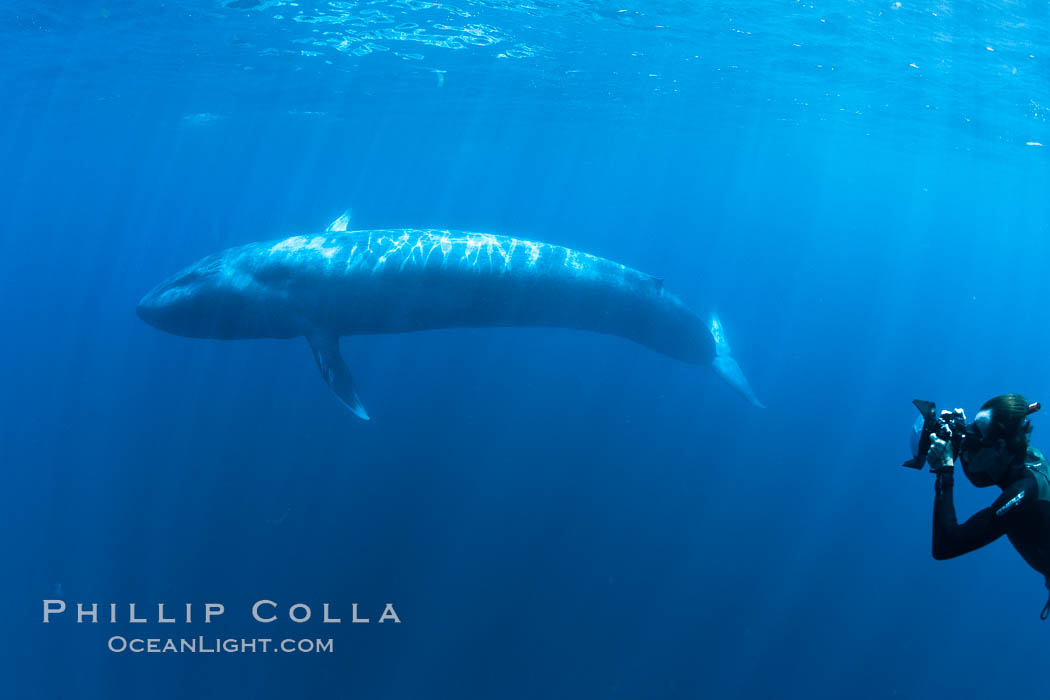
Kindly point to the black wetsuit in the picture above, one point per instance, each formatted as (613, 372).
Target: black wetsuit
(1022, 513)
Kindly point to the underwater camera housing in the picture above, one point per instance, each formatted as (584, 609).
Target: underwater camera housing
(950, 427)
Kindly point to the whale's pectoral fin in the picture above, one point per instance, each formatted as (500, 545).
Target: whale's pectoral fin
(726, 366)
(325, 347)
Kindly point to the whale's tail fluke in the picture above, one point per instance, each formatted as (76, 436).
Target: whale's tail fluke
(726, 366)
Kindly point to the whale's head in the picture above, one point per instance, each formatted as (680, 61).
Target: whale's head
(213, 298)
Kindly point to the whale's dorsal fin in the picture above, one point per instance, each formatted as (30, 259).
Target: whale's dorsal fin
(325, 347)
(341, 223)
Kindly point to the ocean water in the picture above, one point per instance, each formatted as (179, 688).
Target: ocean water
(859, 189)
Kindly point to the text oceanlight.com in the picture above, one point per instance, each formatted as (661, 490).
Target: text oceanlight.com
(204, 645)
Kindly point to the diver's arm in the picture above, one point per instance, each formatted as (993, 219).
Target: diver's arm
(950, 539)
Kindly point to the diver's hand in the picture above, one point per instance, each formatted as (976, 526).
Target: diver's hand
(940, 456)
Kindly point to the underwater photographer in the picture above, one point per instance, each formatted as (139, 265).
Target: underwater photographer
(993, 450)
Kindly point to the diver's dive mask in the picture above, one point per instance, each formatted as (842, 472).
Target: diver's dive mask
(978, 434)
(984, 455)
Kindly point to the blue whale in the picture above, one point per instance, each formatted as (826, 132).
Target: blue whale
(341, 282)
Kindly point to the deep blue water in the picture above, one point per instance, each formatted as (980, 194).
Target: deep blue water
(858, 189)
